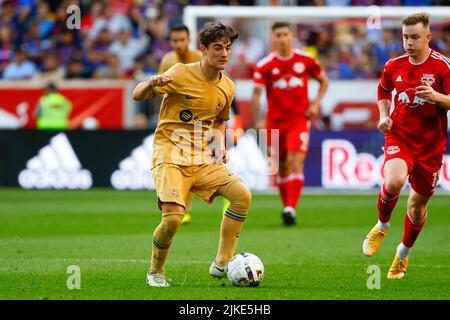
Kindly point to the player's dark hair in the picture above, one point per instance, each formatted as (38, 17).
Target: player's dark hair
(280, 24)
(214, 31)
(417, 18)
(180, 27)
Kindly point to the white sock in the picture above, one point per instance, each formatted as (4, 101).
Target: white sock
(290, 209)
(403, 251)
(383, 225)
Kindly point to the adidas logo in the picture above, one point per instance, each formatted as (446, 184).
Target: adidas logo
(56, 166)
(135, 171)
(399, 79)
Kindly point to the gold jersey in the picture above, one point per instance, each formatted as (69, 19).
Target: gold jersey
(171, 58)
(189, 107)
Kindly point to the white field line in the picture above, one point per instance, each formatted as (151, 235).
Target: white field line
(109, 260)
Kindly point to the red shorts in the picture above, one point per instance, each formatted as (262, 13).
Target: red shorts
(423, 175)
(291, 138)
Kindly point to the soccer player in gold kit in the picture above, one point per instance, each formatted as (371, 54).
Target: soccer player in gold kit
(196, 104)
(179, 41)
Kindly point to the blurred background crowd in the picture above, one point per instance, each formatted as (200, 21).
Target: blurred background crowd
(126, 39)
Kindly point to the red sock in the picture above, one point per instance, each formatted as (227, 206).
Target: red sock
(294, 189)
(411, 231)
(386, 204)
(282, 186)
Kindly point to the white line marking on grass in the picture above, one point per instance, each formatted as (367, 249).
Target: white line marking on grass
(320, 264)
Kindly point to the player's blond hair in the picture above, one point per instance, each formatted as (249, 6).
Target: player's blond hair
(416, 18)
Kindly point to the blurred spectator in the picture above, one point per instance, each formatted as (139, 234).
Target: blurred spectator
(112, 69)
(51, 69)
(127, 48)
(77, 68)
(53, 110)
(33, 45)
(6, 47)
(389, 47)
(20, 67)
(114, 21)
(45, 20)
(99, 49)
(67, 46)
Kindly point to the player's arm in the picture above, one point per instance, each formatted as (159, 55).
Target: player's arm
(384, 92)
(146, 89)
(428, 93)
(256, 107)
(218, 134)
(314, 106)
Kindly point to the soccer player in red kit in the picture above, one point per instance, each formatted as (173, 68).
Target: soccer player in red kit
(415, 135)
(284, 75)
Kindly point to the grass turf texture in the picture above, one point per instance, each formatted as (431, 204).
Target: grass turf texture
(108, 235)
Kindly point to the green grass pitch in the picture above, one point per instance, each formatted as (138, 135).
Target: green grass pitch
(108, 235)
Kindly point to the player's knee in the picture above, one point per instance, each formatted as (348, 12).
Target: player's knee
(170, 223)
(417, 212)
(240, 197)
(394, 185)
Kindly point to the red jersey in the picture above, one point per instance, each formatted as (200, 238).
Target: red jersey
(286, 82)
(420, 124)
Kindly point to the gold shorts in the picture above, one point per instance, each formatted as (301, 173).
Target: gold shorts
(174, 182)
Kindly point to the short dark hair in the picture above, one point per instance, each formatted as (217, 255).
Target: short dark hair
(280, 24)
(416, 18)
(180, 27)
(213, 31)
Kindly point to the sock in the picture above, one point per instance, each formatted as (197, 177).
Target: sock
(386, 204)
(294, 189)
(159, 255)
(282, 186)
(230, 229)
(162, 239)
(403, 251)
(412, 230)
(383, 225)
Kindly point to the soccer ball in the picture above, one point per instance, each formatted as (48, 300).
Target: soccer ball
(245, 270)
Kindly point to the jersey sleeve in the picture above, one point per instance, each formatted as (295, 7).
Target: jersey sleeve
(386, 86)
(315, 69)
(176, 72)
(259, 78)
(446, 79)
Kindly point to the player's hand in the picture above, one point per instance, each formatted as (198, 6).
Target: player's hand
(385, 124)
(313, 110)
(221, 155)
(159, 80)
(426, 92)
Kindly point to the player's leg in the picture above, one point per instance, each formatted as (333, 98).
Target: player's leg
(233, 219)
(297, 143)
(395, 173)
(171, 189)
(295, 181)
(423, 178)
(278, 157)
(415, 218)
(172, 215)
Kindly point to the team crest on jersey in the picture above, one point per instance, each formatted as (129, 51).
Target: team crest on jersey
(409, 98)
(393, 150)
(219, 105)
(299, 67)
(427, 78)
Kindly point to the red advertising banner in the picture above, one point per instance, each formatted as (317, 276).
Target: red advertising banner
(103, 106)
